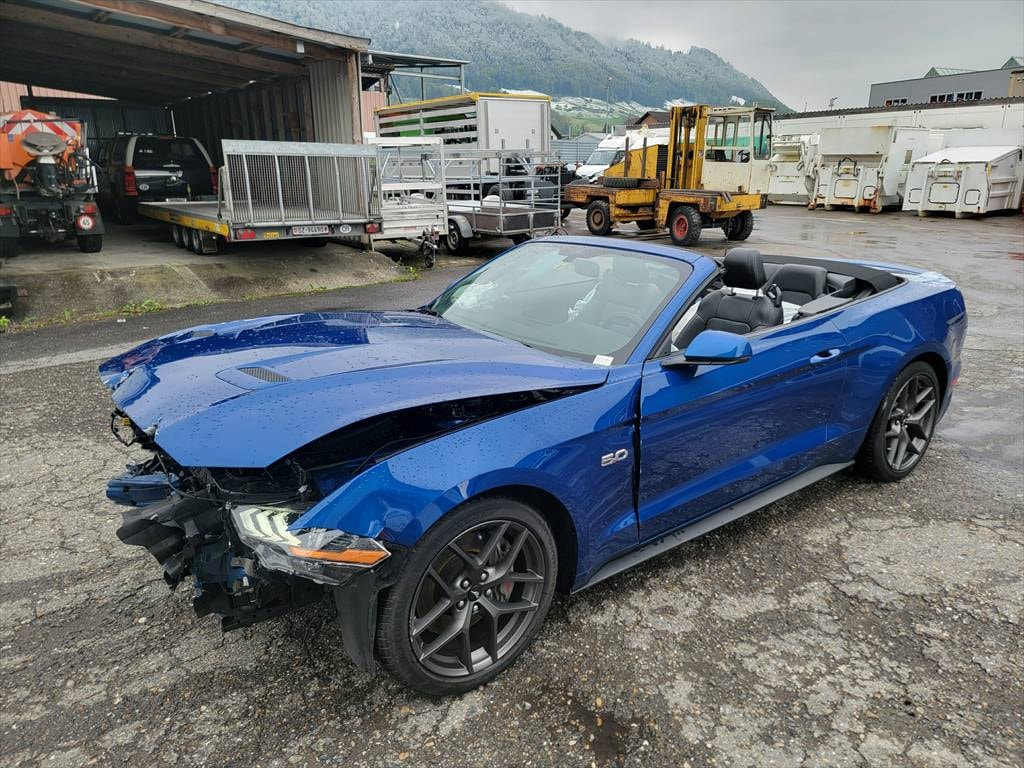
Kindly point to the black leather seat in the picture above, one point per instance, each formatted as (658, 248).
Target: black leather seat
(725, 310)
(800, 284)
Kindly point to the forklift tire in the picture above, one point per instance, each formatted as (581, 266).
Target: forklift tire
(646, 225)
(739, 227)
(599, 218)
(457, 244)
(621, 182)
(178, 235)
(684, 225)
(90, 243)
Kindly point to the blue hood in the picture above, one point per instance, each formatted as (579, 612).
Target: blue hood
(247, 393)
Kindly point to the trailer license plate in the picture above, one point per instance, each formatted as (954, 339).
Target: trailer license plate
(319, 229)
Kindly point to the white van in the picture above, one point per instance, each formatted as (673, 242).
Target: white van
(611, 151)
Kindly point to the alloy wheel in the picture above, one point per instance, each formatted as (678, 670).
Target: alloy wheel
(910, 423)
(477, 598)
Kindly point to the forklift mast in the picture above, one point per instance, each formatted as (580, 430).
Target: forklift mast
(686, 154)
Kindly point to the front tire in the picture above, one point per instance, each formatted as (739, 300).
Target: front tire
(684, 225)
(470, 597)
(903, 426)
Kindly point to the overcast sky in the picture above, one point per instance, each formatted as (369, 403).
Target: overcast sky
(807, 51)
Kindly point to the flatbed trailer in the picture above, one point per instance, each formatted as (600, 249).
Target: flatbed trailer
(271, 190)
(712, 173)
(513, 193)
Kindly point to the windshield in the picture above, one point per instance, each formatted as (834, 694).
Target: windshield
(601, 157)
(577, 301)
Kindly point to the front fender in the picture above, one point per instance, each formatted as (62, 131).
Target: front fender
(555, 447)
(463, 224)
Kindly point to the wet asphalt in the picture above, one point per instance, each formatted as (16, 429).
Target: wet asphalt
(852, 624)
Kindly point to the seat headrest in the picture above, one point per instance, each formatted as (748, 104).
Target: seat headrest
(630, 270)
(743, 269)
(800, 278)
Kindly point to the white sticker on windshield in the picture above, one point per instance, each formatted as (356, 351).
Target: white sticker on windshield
(603, 360)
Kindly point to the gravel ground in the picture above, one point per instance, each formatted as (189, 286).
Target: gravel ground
(852, 624)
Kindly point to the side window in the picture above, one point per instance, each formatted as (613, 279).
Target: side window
(763, 136)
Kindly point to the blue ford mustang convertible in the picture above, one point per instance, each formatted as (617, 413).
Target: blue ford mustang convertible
(568, 410)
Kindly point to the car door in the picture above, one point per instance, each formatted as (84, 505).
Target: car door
(712, 434)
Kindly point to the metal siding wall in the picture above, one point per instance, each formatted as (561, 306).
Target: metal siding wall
(331, 102)
(269, 112)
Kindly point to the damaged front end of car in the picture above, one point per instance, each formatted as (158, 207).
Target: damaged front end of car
(229, 531)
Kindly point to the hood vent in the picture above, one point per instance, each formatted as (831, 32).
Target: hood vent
(264, 374)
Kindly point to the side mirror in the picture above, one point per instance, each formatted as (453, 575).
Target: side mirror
(712, 348)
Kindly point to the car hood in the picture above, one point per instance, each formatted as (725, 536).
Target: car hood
(247, 393)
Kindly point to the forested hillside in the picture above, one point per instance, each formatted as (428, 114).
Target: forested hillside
(508, 49)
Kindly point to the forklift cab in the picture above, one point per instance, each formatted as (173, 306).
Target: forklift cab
(737, 143)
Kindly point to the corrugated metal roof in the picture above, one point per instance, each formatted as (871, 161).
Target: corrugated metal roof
(900, 108)
(943, 71)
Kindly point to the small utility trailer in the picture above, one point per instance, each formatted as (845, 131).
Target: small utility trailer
(500, 193)
(966, 181)
(410, 191)
(274, 190)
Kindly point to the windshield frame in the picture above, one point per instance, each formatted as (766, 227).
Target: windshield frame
(623, 354)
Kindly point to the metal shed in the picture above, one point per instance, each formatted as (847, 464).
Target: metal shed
(222, 72)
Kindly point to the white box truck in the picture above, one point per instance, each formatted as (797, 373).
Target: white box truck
(473, 121)
(966, 181)
(866, 168)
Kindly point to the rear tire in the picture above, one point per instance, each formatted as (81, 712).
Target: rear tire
(192, 240)
(739, 227)
(90, 243)
(903, 426)
(178, 235)
(470, 598)
(599, 218)
(684, 225)
(8, 247)
(456, 244)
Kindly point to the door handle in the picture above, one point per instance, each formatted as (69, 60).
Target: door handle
(827, 354)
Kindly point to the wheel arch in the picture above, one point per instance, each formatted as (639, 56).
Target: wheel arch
(557, 516)
(939, 365)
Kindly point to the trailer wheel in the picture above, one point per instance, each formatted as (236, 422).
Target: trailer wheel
(684, 225)
(599, 218)
(8, 247)
(178, 235)
(192, 238)
(646, 225)
(739, 227)
(90, 243)
(457, 244)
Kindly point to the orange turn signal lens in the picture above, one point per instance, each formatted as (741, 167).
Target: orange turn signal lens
(354, 556)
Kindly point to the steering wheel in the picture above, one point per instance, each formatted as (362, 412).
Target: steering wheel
(621, 318)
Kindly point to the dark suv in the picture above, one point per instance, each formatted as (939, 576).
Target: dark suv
(141, 168)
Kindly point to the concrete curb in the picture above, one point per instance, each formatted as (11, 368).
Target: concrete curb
(49, 293)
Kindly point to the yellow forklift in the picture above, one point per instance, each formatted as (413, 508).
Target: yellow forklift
(712, 173)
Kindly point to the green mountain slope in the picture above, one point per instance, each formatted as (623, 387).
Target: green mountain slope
(508, 49)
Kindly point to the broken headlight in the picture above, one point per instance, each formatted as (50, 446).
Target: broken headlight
(323, 555)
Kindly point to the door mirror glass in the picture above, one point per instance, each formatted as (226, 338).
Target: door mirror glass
(712, 348)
